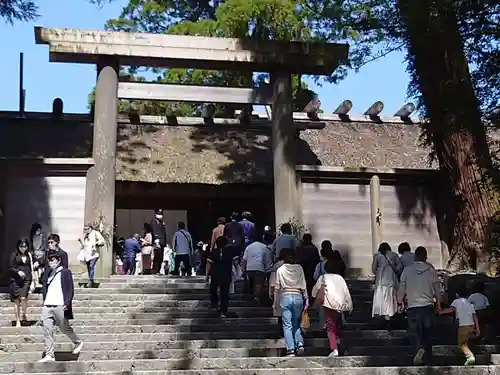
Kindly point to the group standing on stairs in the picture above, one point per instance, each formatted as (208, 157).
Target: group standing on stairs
(281, 272)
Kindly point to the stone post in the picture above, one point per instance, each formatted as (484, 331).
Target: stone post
(286, 204)
(376, 212)
(101, 177)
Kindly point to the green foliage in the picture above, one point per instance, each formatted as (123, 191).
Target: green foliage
(298, 229)
(18, 10)
(360, 23)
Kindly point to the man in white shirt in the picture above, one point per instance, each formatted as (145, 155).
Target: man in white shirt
(257, 260)
(57, 291)
(182, 243)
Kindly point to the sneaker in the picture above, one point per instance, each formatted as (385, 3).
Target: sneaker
(47, 359)
(78, 348)
(470, 360)
(333, 354)
(223, 315)
(300, 351)
(290, 353)
(418, 359)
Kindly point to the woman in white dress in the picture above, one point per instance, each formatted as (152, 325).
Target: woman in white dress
(387, 268)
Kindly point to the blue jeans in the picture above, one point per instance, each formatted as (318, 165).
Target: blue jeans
(129, 266)
(292, 305)
(91, 269)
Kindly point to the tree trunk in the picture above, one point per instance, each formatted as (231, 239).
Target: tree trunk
(455, 128)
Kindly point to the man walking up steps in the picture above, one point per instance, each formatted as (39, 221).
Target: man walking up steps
(58, 291)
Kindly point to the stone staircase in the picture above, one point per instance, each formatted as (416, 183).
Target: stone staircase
(154, 325)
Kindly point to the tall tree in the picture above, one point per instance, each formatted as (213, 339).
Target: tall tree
(441, 35)
(455, 127)
(18, 10)
(269, 19)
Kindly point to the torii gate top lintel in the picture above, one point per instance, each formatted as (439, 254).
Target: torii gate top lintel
(180, 51)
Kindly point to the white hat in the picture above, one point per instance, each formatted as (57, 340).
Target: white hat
(267, 228)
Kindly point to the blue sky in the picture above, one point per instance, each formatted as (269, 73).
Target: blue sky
(385, 79)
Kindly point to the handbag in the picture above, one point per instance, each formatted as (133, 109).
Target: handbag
(320, 298)
(305, 322)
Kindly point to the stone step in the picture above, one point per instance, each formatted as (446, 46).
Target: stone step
(177, 288)
(211, 318)
(358, 329)
(171, 278)
(154, 313)
(156, 319)
(158, 342)
(5, 299)
(447, 350)
(153, 353)
(159, 333)
(220, 364)
(176, 284)
(318, 370)
(187, 304)
(202, 310)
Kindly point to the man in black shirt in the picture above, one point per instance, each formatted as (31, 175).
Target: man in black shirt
(220, 264)
(159, 239)
(235, 234)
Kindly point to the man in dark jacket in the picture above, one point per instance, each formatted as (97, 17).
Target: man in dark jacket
(235, 235)
(131, 247)
(58, 292)
(159, 239)
(220, 265)
(248, 228)
(53, 242)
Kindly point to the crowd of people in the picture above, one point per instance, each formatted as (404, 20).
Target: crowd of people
(409, 284)
(279, 270)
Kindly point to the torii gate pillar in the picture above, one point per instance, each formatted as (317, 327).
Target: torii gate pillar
(101, 177)
(286, 205)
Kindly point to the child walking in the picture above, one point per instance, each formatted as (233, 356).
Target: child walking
(468, 325)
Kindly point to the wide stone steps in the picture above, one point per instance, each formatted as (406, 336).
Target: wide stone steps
(193, 289)
(226, 363)
(165, 299)
(367, 329)
(166, 334)
(360, 320)
(93, 353)
(282, 370)
(154, 325)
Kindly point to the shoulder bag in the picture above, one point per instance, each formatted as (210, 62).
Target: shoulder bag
(398, 275)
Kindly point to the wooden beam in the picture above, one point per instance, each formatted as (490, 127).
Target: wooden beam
(192, 52)
(192, 94)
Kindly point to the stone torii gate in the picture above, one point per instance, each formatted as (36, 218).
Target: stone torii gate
(109, 50)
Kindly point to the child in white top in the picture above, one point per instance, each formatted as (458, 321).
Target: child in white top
(468, 325)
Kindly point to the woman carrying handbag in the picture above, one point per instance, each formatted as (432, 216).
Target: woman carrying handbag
(332, 294)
